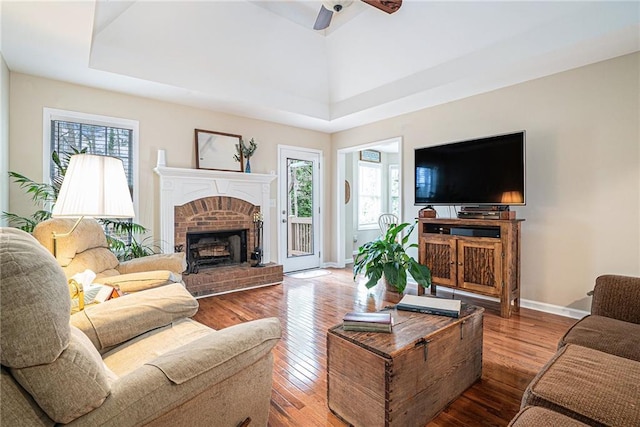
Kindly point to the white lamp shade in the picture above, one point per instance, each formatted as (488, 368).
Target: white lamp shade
(94, 186)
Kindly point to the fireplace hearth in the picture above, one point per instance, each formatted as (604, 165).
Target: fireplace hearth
(210, 249)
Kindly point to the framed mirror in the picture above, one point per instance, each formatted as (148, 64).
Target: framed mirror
(216, 151)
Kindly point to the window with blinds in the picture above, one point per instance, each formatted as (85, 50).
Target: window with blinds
(96, 139)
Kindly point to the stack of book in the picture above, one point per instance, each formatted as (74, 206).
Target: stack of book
(367, 322)
(430, 305)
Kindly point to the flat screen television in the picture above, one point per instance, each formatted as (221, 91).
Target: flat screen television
(482, 171)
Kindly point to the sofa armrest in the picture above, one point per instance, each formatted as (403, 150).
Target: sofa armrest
(136, 282)
(617, 297)
(235, 383)
(176, 262)
(118, 320)
(245, 342)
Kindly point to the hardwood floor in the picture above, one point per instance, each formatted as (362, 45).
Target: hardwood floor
(513, 349)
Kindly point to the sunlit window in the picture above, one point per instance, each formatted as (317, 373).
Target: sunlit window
(369, 194)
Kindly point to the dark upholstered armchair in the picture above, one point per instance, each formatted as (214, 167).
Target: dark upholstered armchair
(614, 323)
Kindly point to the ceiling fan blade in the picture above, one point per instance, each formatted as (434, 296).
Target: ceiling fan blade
(388, 6)
(324, 19)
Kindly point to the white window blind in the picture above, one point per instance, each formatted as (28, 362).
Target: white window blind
(97, 139)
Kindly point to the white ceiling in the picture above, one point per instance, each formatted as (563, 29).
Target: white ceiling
(262, 59)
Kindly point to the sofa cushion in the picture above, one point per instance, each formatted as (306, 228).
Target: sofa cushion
(134, 353)
(605, 334)
(591, 386)
(34, 319)
(535, 416)
(74, 384)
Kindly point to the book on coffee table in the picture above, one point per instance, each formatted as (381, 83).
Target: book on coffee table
(430, 305)
(367, 322)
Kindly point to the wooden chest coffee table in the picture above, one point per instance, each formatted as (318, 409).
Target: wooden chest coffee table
(407, 377)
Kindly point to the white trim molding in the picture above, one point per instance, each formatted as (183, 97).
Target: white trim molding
(179, 186)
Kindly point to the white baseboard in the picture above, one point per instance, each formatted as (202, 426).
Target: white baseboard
(330, 265)
(335, 264)
(553, 309)
(525, 303)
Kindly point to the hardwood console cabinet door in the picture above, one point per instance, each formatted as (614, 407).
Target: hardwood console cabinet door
(439, 254)
(480, 266)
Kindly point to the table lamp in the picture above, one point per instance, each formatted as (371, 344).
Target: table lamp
(93, 186)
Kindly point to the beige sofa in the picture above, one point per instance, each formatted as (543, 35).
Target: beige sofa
(594, 378)
(87, 248)
(135, 360)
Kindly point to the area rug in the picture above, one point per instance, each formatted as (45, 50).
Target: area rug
(309, 274)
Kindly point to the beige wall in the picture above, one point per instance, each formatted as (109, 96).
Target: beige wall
(4, 137)
(162, 126)
(583, 180)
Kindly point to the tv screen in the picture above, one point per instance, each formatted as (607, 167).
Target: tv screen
(483, 171)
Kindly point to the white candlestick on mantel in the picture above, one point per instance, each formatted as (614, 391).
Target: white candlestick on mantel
(162, 158)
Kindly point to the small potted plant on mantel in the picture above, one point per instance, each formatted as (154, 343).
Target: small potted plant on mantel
(245, 152)
(386, 258)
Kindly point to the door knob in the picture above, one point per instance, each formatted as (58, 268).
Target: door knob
(284, 220)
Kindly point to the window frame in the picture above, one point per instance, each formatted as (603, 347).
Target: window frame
(50, 114)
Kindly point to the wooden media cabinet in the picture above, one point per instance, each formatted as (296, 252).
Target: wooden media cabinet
(474, 255)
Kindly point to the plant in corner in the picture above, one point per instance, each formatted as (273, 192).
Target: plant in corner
(386, 256)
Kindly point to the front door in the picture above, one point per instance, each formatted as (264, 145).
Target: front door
(299, 208)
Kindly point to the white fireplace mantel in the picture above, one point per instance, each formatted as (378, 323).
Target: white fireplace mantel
(179, 186)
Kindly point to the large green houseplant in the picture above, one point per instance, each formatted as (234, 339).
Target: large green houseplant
(386, 256)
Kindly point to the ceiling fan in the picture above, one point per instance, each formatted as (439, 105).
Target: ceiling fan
(329, 6)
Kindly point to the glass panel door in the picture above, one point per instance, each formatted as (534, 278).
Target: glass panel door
(300, 203)
(299, 209)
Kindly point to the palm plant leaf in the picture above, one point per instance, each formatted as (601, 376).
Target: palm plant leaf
(23, 223)
(40, 192)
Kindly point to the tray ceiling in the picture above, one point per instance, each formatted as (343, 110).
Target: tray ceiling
(262, 59)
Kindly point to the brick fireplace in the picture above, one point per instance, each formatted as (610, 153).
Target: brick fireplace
(215, 209)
